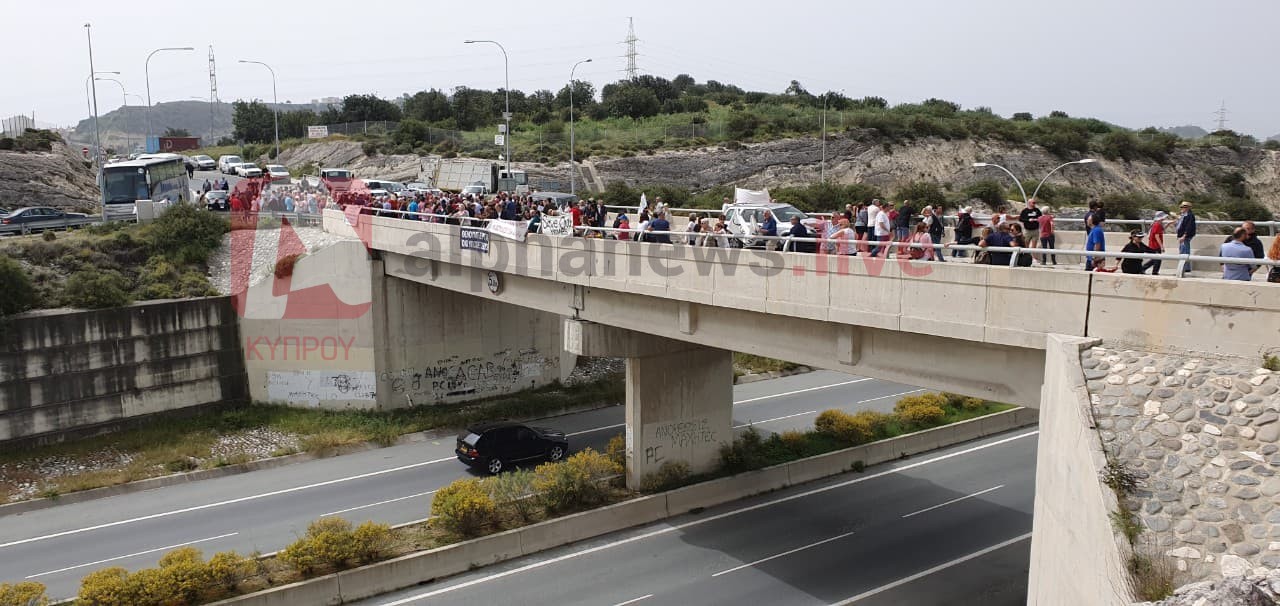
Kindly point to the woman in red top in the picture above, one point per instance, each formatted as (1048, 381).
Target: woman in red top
(1155, 241)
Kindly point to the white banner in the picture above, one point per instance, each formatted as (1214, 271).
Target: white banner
(560, 225)
(511, 230)
(317, 132)
(741, 196)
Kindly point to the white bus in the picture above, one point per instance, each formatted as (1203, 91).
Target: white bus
(161, 178)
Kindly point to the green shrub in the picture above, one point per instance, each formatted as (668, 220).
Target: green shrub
(183, 578)
(463, 508)
(186, 234)
(990, 192)
(23, 594)
(671, 474)
(227, 569)
(513, 494)
(922, 410)
(744, 453)
(577, 482)
(921, 194)
(616, 450)
(284, 265)
(48, 235)
(107, 587)
(17, 294)
(742, 125)
(328, 544)
(864, 426)
(1127, 206)
(96, 289)
(1271, 363)
(1247, 210)
(372, 542)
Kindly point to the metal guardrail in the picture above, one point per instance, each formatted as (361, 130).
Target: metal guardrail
(63, 223)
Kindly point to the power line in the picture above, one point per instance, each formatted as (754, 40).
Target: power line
(631, 40)
(213, 93)
(1222, 115)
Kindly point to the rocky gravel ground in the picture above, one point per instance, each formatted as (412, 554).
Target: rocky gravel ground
(27, 479)
(1252, 590)
(257, 443)
(264, 254)
(591, 369)
(1200, 436)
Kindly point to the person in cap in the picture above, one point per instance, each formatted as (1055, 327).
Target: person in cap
(1185, 229)
(1155, 241)
(1135, 245)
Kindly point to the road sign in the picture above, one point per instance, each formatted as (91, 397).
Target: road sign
(502, 128)
(506, 115)
(317, 132)
(499, 140)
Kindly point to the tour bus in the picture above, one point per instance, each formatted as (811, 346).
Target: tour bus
(161, 178)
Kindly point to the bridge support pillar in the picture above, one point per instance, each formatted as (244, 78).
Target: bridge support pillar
(679, 396)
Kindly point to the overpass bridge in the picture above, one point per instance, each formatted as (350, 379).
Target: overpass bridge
(677, 312)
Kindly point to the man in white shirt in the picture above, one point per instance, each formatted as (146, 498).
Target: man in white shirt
(882, 230)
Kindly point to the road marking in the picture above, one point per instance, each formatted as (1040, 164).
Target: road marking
(798, 414)
(891, 396)
(669, 529)
(807, 389)
(412, 496)
(785, 553)
(132, 555)
(578, 433)
(264, 495)
(968, 496)
(925, 573)
(643, 597)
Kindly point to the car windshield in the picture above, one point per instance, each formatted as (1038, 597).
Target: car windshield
(124, 185)
(784, 213)
(233, 159)
(217, 193)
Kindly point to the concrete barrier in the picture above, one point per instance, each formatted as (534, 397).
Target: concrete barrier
(428, 566)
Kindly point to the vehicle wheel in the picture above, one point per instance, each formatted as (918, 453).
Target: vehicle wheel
(494, 466)
(556, 453)
(735, 243)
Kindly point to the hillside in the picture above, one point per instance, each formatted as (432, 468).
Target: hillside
(47, 178)
(124, 123)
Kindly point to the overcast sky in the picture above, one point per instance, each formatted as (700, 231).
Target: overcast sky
(1132, 62)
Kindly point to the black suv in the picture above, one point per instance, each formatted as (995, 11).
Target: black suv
(494, 446)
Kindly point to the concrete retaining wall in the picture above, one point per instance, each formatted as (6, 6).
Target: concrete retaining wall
(67, 373)
(1075, 554)
(428, 566)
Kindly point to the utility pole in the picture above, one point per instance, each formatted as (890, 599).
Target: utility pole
(213, 94)
(631, 41)
(1222, 115)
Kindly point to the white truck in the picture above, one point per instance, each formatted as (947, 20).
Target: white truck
(458, 173)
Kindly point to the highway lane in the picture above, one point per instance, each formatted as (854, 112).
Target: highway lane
(948, 527)
(266, 510)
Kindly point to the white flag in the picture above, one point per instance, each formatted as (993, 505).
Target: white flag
(644, 203)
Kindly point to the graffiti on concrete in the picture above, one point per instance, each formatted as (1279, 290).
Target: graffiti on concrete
(456, 377)
(315, 386)
(690, 433)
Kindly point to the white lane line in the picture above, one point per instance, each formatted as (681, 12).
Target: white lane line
(807, 389)
(785, 553)
(633, 601)
(890, 396)
(798, 414)
(412, 496)
(925, 573)
(669, 529)
(264, 495)
(939, 505)
(578, 433)
(133, 555)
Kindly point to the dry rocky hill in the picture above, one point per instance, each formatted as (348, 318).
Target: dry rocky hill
(54, 178)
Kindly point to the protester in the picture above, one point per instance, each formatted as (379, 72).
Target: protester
(1236, 248)
(1097, 240)
(1185, 230)
(881, 231)
(1155, 242)
(902, 221)
(921, 245)
(769, 227)
(798, 230)
(1273, 254)
(1048, 239)
(964, 230)
(999, 236)
(1135, 245)
(659, 224)
(1030, 219)
(933, 223)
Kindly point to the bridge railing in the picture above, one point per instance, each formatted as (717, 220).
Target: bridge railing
(854, 246)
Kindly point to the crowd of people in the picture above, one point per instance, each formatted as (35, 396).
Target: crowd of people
(866, 229)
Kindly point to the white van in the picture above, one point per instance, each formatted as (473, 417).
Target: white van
(227, 164)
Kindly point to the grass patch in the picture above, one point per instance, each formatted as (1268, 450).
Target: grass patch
(744, 363)
(1271, 363)
(174, 445)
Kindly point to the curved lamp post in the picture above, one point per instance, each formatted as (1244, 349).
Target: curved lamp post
(147, 74)
(573, 167)
(506, 115)
(275, 101)
(1064, 165)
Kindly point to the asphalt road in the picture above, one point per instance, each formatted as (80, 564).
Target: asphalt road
(949, 527)
(266, 510)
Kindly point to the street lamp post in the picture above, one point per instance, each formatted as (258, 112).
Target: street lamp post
(124, 94)
(275, 102)
(573, 167)
(1064, 165)
(146, 70)
(87, 101)
(1025, 199)
(97, 135)
(506, 115)
(825, 98)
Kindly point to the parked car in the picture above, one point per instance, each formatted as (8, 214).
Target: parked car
(478, 189)
(39, 217)
(204, 162)
(418, 187)
(560, 199)
(248, 170)
(743, 220)
(226, 164)
(217, 199)
(278, 173)
(495, 446)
